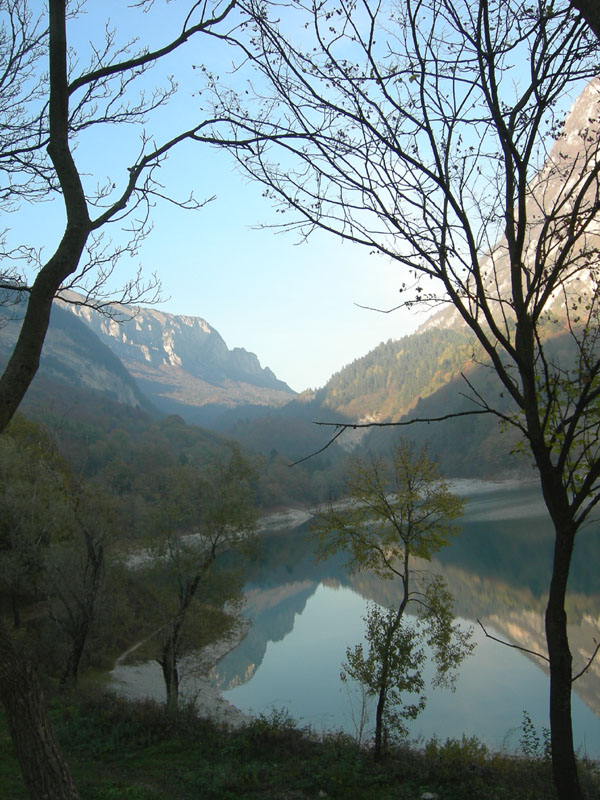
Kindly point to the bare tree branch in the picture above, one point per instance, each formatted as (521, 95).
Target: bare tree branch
(589, 663)
(514, 646)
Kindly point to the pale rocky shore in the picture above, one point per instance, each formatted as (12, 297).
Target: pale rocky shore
(142, 680)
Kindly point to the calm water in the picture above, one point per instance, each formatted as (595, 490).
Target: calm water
(305, 615)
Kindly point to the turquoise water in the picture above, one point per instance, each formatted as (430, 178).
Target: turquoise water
(306, 618)
(301, 673)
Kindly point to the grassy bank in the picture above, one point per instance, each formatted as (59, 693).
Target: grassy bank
(133, 751)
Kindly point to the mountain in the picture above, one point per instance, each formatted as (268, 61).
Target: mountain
(146, 359)
(389, 381)
(432, 373)
(181, 363)
(74, 355)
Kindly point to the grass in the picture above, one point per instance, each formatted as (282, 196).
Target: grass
(121, 750)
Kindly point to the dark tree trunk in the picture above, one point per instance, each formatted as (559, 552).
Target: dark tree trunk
(590, 11)
(45, 772)
(168, 662)
(379, 722)
(556, 498)
(385, 669)
(564, 764)
(84, 616)
(16, 612)
(71, 670)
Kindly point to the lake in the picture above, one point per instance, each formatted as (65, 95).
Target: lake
(304, 615)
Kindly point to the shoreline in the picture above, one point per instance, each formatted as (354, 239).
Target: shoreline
(145, 681)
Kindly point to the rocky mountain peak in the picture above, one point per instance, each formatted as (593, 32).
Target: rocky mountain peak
(181, 361)
(572, 156)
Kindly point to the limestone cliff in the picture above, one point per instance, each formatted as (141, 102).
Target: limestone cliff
(181, 363)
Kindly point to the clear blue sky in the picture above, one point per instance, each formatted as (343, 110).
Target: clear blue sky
(292, 304)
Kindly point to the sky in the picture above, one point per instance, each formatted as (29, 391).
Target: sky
(293, 304)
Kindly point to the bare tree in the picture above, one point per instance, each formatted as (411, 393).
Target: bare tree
(49, 104)
(430, 131)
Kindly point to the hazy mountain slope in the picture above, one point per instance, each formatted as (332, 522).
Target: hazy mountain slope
(182, 363)
(74, 355)
(469, 446)
(388, 381)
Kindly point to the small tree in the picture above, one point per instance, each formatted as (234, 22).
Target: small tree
(391, 518)
(75, 570)
(53, 532)
(204, 515)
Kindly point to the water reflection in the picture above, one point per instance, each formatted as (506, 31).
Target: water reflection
(305, 614)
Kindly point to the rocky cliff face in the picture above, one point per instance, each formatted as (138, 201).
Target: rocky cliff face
(182, 363)
(551, 194)
(72, 354)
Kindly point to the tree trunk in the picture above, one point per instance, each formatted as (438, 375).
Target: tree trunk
(564, 764)
(45, 772)
(590, 11)
(379, 722)
(71, 670)
(16, 612)
(168, 662)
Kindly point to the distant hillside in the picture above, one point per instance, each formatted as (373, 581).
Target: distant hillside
(417, 376)
(469, 446)
(181, 363)
(74, 355)
(387, 382)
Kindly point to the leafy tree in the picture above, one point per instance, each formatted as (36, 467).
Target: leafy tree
(33, 509)
(393, 520)
(54, 531)
(430, 131)
(203, 515)
(75, 570)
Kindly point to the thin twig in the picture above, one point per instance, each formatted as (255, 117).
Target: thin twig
(400, 423)
(515, 646)
(589, 663)
(331, 441)
(343, 426)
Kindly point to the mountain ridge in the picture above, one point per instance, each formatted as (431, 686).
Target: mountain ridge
(180, 362)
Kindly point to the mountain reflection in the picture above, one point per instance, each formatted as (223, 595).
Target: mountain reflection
(497, 570)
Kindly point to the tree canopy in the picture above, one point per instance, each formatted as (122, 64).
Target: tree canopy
(395, 516)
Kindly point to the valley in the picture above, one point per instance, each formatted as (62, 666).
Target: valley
(386, 582)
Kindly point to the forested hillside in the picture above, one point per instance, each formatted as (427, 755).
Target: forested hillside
(388, 381)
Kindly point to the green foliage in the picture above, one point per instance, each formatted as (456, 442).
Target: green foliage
(532, 746)
(391, 513)
(203, 514)
(392, 667)
(133, 750)
(394, 514)
(54, 532)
